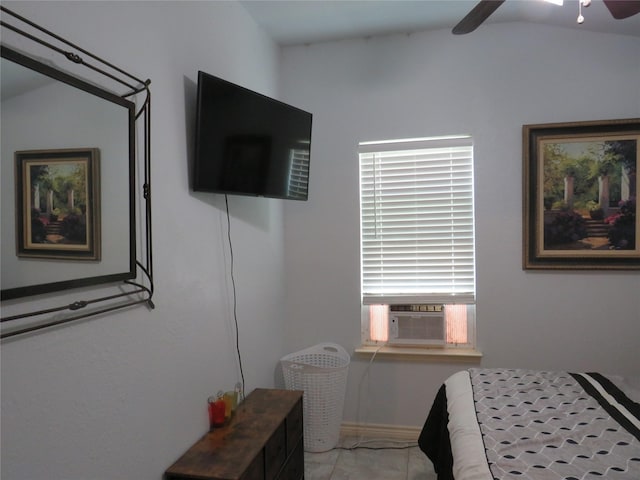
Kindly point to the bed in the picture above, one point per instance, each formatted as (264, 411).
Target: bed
(488, 424)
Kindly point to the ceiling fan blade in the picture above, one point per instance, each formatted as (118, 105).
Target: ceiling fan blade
(475, 17)
(623, 8)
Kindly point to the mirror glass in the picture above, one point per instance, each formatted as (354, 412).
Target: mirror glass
(66, 173)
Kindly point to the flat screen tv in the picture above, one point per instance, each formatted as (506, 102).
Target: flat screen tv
(249, 144)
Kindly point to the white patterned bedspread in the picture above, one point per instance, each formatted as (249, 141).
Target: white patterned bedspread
(523, 424)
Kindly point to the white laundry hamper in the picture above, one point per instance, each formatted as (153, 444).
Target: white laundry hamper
(321, 372)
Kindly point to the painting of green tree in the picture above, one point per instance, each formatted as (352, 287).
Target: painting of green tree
(59, 202)
(589, 194)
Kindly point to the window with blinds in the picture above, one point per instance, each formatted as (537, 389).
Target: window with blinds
(299, 173)
(417, 221)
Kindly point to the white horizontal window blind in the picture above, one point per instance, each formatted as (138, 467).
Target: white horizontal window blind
(299, 172)
(417, 221)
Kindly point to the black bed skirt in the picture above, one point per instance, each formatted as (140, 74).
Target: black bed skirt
(434, 437)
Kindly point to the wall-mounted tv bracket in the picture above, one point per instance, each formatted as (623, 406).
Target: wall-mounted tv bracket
(131, 292)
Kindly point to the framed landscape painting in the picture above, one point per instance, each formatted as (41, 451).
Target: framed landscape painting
(58, 204)
(580, 195)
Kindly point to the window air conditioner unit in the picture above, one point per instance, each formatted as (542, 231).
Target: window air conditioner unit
(417, 325)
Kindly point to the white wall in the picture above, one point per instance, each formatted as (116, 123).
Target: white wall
(487, 84)
(122, 396)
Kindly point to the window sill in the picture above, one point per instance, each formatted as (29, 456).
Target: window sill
(457, 354)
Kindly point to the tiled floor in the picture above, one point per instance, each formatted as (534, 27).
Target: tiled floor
(369, 464)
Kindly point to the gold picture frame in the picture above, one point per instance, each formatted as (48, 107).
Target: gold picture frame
(58, 204)
(580, 188)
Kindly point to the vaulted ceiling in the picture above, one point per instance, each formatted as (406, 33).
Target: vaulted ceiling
(291, 22)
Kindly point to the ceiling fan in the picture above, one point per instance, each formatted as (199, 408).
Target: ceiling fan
(619, 9)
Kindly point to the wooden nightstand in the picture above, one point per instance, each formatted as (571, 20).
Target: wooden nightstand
(263, 441)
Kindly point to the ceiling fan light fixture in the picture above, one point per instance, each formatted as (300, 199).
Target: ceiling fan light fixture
(619, 9)
(582, 3)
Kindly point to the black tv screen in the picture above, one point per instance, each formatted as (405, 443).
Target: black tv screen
(249, 144)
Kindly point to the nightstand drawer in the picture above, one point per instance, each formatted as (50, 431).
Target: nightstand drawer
(294, 469)
(294, 427)
(275, 453)
(255, 469)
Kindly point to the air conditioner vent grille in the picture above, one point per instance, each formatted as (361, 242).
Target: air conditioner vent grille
(411, 327)
(430, 307)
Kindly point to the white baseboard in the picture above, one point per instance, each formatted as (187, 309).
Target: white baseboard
(380, 431)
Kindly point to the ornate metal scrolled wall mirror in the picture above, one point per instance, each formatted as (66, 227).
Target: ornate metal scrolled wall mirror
(74, 140)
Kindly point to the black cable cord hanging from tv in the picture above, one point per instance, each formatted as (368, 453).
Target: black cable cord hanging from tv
(235, 304)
